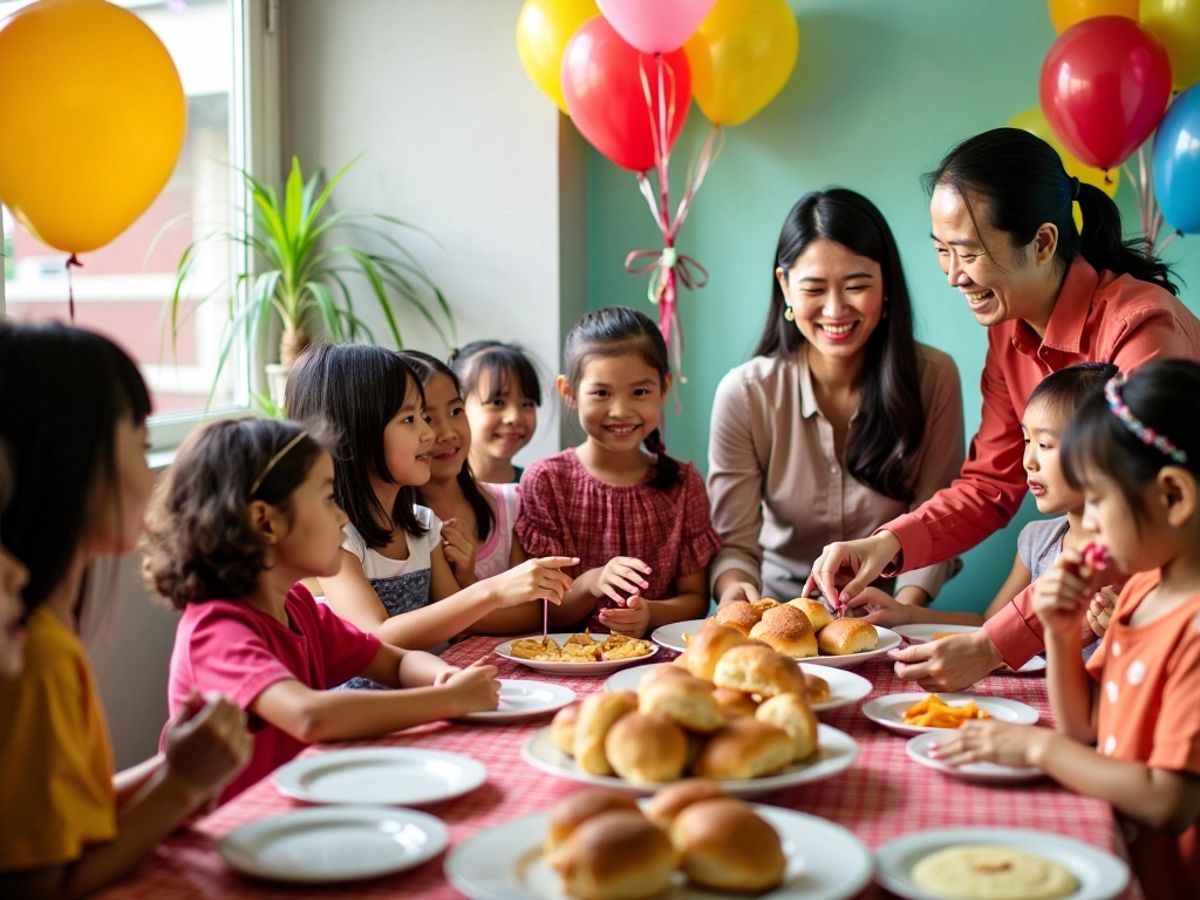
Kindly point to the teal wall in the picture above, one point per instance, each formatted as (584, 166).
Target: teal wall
(881, 90)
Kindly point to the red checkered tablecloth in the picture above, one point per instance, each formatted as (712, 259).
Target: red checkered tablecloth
(884, 795)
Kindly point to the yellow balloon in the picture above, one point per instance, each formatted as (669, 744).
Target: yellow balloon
(543, 29)
(1176, 23)
(94, 116)
(1065, 13)
(741, 57)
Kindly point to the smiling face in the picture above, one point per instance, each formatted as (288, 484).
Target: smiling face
(447, 417)
(619, 400)
(310, 535)
(502, 419)
(1042, 427)
(836, 297)
(408, 443)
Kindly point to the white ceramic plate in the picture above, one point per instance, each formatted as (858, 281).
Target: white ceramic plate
(604, 667)
(844, 687)
(1034, 664)
(985, 772)
(888, 710)
(333, 843)
(919, 634)
(1101, 874)
(390, 776)
(505, 862)
(672, 637)
(521, 700)
(836, 752)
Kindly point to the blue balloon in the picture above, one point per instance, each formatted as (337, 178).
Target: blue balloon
(1177, 162)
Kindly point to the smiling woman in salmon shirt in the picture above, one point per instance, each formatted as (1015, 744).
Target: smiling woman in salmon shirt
(1050, 297)
(841, 421)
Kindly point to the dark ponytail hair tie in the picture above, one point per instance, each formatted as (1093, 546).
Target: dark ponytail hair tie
(655, 445)
(1074, 188)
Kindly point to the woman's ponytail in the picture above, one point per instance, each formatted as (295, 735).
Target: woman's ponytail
(1103, 245)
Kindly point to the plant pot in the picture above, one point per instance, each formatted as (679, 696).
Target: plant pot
(277, 375)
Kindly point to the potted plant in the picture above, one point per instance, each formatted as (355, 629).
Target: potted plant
(300, 252)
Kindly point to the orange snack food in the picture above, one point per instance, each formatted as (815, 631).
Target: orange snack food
(934, 712)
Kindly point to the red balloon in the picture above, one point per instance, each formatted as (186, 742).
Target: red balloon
(1104, 86)
(602, 84)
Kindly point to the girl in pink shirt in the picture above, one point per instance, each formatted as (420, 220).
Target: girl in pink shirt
(245, 514)
(1128, 724)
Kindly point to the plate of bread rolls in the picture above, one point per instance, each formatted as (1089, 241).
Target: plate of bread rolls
(803, 628)
(690, 840)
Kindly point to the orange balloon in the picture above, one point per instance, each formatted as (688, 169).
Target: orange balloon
(94, 118)
(1065, 13)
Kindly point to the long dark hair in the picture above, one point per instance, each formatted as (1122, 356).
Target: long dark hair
(885, 439)
(62, 392)
(200, 544)
(426, 367)
(500, 362)
(1164, 395)
(1022, 181)
(354, 390)
(613, 331)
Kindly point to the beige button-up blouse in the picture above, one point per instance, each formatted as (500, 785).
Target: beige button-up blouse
(778, 489)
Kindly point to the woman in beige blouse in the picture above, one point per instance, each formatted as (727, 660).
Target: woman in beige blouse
(841, 420)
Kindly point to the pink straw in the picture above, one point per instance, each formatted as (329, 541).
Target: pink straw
(545, 619)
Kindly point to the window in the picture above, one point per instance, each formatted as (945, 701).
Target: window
(224, 51)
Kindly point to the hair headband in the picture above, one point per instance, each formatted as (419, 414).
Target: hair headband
(274, 461)
(1147, 435)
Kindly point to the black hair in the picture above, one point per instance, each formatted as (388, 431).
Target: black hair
(200, 543)
(613, 331)
(1022, 183)
(426, 367)
(63, 390)
(1164, 395)
(884, 441)
(500, 362)
(355, 390)
(1068, 389)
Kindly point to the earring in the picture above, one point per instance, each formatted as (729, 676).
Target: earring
(788, 314)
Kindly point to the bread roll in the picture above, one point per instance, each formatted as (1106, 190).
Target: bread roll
(708, 646)
(683, 698)
(726, 846)
(744, 748)
(616, 855)
(818, 613)
(842, 636)
(788, 630)
(792, 713)
(734, 703)
(562, 728)
(755, 669)
(671, 801)
(597, 714)
(571, 812)
(646, 749)
(681, 660)
(739, 614)
(762, 604)
(817, 690)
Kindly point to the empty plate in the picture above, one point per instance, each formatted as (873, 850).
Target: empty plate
(399, 776)
(984, 772)
(521, 700)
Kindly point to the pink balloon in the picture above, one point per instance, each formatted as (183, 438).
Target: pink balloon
(1104, 86)
(655, 26)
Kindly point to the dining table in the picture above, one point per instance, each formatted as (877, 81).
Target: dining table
(882, 796)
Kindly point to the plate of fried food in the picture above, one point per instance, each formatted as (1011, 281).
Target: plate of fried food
(577, 654)
(802, 628)
(690, 840)
(918, 712)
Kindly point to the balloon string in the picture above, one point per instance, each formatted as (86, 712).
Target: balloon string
(72, 260)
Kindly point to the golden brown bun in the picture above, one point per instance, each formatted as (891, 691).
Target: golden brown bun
(562, 728)
(646, 749)
(571, 812)
(792, 713)
(726, 846)
(818, 613)
(671, 801)
(817, 690)
(616, 855)
(708, 646)
(681, 660)
(744, 748)
(755, 669)
(762, 604)
(788, 630)
(739, 614)
(597, 714)
(682, 698)
(843, 636)
(734, 703)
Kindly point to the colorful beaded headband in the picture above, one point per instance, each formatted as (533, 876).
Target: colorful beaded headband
(1147, 435)
(274, 461)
